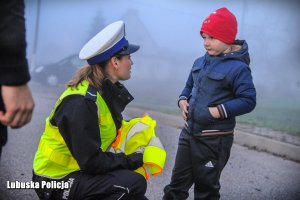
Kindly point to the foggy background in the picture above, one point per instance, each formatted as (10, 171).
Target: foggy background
(168, 33)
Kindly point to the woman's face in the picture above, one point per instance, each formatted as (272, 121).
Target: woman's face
(123, 67)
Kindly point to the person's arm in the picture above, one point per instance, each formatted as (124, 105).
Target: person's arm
(14, 73)
(13, 63)
(183, 98)
(245, 95)
(187, 88)
(77, 120)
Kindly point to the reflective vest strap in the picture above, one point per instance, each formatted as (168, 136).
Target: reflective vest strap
(70, 91)
(149, 121)
(57, 136)
(142, 171)
(121, 135)
(56, 157)
(154, 168)
(53, 110)
(117, 140)
(105, 118)
(152, 161)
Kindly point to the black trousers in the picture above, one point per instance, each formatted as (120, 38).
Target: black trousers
(3, 129)
(120, 184)
(3, 137)
(199, 161)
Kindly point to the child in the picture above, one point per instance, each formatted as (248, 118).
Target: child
(219, 88)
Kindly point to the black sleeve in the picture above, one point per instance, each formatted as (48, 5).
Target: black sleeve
(77, 120)
(13, 63)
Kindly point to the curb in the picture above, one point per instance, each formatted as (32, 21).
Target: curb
(289, 151)
(286, 150)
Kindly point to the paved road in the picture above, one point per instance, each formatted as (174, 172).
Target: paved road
(249, 174)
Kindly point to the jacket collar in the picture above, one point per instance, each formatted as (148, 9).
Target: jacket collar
(117, 98)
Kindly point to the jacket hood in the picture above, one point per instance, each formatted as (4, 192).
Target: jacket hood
(242, 54)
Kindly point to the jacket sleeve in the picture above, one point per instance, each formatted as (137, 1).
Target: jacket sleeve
(186, 92)
(244, 93)
(13, 65)
(77, 121)
(188, 87)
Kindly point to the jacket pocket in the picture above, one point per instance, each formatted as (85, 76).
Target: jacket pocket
(202, 116)
(214, 82)
(216, 76)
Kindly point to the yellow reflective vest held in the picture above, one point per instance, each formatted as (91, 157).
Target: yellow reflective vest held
(53, 159)
(136, 135)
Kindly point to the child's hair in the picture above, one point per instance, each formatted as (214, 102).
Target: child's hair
(221, 24)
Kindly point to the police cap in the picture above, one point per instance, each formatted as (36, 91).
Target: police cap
(107, 43)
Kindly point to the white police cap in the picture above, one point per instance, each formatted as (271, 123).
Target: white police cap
(107, 43)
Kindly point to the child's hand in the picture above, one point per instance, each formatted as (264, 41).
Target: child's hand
(183, 104)
(214, 112)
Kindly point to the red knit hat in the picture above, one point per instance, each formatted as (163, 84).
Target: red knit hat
(221, 24)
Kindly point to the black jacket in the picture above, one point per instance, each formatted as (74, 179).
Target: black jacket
(13, 62)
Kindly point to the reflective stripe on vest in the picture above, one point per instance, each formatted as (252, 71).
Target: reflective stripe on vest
(138, 134)
(53, 158)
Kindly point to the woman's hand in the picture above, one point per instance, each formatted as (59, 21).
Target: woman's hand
(183, 104)
(135, 160)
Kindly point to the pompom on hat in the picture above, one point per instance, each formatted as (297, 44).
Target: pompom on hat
(107, 43)
(221, 24)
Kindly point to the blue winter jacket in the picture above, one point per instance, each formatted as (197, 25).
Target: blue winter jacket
(223, 81)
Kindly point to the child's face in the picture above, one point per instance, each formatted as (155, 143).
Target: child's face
(214, 46)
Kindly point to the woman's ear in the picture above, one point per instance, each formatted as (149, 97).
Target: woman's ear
(114, 63)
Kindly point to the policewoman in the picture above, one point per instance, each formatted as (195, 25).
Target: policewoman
(84, 123)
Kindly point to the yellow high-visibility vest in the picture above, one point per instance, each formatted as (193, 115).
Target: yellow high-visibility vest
(53, 159)
(138, 134)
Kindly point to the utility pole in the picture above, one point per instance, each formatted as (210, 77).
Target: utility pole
(36, 35)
